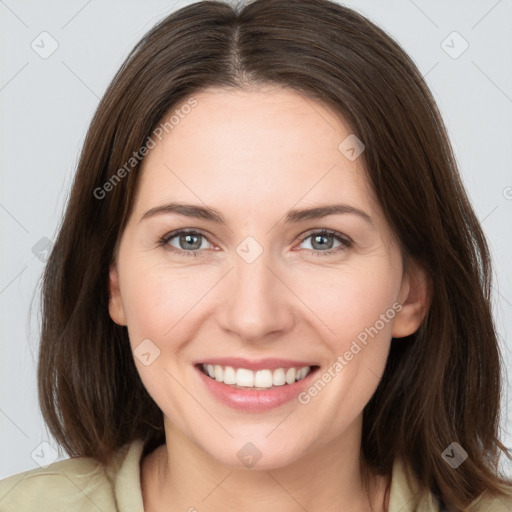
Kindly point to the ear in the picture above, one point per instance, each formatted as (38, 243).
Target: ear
(115, 303)
(415, 297)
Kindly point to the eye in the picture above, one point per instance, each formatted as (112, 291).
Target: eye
(320, 240)
(188, 242)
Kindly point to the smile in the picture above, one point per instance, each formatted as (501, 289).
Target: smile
(244, 378)
(270, 383)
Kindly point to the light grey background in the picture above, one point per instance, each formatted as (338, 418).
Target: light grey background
(47, 103)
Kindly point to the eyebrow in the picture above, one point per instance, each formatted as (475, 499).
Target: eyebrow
(292, 216)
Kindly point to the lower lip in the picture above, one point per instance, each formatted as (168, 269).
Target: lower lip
(252, 400)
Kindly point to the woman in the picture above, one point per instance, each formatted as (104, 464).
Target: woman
(269, 289)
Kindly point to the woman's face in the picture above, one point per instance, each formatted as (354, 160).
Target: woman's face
(258, 282)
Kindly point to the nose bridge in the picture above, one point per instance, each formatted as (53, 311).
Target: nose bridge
(257, 303)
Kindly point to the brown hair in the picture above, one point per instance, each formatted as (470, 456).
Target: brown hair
(441, 384)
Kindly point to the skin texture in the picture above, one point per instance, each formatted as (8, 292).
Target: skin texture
(253, 155)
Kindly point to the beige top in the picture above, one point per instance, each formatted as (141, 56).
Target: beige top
(81, 484)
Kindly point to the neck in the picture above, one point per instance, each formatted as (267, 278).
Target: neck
(181, 476)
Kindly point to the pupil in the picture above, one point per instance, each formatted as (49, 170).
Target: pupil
(186, 239)
(318, 237)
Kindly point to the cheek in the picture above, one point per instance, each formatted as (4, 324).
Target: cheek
(355, 308)
(349, 302)
(161, 304)
(154, 298)
(166, 303)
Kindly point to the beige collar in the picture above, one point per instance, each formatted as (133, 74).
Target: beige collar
(404, 495)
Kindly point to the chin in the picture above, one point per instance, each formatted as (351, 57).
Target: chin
(257, 453)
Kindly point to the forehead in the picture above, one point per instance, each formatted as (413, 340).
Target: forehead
(253, 149)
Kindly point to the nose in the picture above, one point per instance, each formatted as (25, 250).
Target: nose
(257, 302)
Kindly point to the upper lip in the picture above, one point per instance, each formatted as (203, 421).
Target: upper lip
(260, 364)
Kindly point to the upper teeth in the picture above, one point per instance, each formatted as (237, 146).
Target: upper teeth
(258, 379)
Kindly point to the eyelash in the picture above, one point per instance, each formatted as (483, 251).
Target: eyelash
(345, 241)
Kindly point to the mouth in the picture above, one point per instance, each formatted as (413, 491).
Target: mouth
(255, 386)
(256, 380)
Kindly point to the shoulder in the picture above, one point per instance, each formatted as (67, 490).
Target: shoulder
(79, 483)
(63, 485)
(491, 504)
(406, 496)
